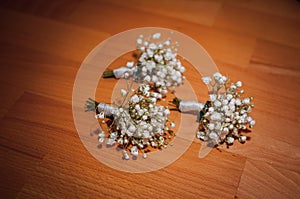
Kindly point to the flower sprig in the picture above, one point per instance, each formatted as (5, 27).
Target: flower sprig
(156, 64)
(225, 117)
(139, 125)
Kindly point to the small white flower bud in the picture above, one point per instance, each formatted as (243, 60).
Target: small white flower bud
(172, 124)
(211, 127)
(217, 103)
(144, 155)
(120, 141)
(206, 80)
(233, 87)
(212, 97)
(101, 139)
(139, 41)
(226, 130)
(167, 111)
(101, 115)
(229, 97)
(213, 136)
(110, 141)
(130, 64)
(227, 120)
(147, 78)
(125, 155)
(123, 92)
(238, 102)
(134, 151)
(246, 101)
(217, 76)
(230, 140)
(199, 134)
(242, 138)
(182, 69)
(252, 123)
(238, 84)
(152, 46)
(167, 43)
(216, 116)
(249, 118)
(156, 36)
(154, 78)
(211, 109)
(225, 102)
(145, 117)
(141, 112)
(135, 99)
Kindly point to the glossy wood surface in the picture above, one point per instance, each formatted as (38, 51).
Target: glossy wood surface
(42, 46)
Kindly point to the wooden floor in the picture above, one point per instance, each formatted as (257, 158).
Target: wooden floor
(43, 43)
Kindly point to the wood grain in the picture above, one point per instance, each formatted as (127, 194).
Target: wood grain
(42, 46)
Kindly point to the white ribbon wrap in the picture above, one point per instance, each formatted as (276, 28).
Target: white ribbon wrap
(190, 106)
(107, 109)
(119, 72)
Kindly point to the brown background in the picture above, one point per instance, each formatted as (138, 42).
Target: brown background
(42, 46)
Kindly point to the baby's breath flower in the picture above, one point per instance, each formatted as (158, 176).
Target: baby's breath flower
(157, 64)
(134, 151)
(135, 99)
(206, 80)
(110, 141)
(225, 116)
(130, 64)
(144, 155)
(123, 92)
(238, 84)
(229, 140)
(228, 114)
(213, 97)
(172, 124)
(125, 155)
(242, 138)
(138, 123)
(167, 112)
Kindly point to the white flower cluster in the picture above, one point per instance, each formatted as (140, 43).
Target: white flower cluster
(140, 124)
(226, 115)
(158, 63)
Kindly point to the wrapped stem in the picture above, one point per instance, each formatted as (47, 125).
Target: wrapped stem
(187, 106)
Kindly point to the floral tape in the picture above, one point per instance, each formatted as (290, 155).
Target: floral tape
(190, 106)
(124, 72)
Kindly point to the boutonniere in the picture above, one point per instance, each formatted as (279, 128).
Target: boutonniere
(140, 125)
(225, 117)
(157, 64)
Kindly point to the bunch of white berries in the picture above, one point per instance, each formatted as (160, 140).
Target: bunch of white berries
(226, 115)
(138, 125)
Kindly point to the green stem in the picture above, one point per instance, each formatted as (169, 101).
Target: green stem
(176, 101)
(108, 74)
(91, 105)
(203, 111)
